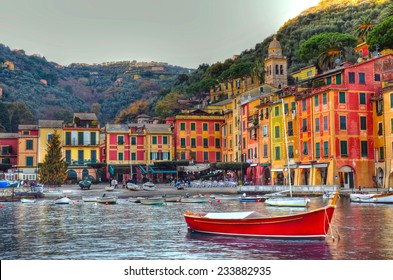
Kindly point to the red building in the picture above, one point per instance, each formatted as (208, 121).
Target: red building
(8, 155)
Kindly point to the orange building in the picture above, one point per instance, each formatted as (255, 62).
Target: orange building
(27, 152)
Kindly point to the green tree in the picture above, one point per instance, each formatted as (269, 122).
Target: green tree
(388, 12)
(63, 114)
(365, 25)
(258, 70)
(4, 118)
(381, 35)
(53, 171)
(169, 105)
(19, 113)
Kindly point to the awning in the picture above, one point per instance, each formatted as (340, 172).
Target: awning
(277, 169)
(305, 166)
(197, 167)
(321, 165)
(142, 168)
(264, 164)
(154, 170)
(253, 164)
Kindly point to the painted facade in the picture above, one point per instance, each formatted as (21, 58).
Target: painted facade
(27, 152)
(8, 155)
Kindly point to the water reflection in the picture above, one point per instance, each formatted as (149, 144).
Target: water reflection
(128, 230)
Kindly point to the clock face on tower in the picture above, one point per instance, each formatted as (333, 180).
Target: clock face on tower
(277, 51)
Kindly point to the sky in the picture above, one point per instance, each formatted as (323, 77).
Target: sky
(180, 32)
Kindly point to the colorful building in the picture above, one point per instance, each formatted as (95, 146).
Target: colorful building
(27, 152)
(8, 155)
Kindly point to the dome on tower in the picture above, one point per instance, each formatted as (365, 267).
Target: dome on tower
(274, 44)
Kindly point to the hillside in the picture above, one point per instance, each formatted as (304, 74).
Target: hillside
(53, 91)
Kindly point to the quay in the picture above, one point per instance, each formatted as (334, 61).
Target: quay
(74, 191)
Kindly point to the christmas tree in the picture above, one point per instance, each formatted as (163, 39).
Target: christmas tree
(53, 171)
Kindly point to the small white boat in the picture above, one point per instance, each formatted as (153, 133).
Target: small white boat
(172, 198)
(153, 201)
(26, 200)
(357, 197)
(89, 199)
(195, 199)
(288, 201)
(63, 200)
(133, 187)
(376, 198)
(277, 194)
(109, 188)
(107, 199)
(148, 186)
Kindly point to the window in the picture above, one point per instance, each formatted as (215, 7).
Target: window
(351, 77)
(93, 156)
(205, 127)
(324, 98)
(391, 126)
(343, 148)
(29, 161)
(290, 151)
(68, 156)
(338, 79)
(363, 123)
(364, 147)
(290, 128)
(81, 156)
(304, 105)
(182, 126)
(328, 80)
(80, 138)
(325, 123)
(4, 150)
(193, 142)
(218, 142)
(391, 100)
(183, 142)
(165, 140)
(182, 155)
(317, 150)
(154, 140)
(277, 154)
(316, 100)
(192, 126)
(265, 151)
(133, 156)
(381, 153)
(362, 79)
(277, 131)
(120, 156)
(216, 127)
(153, 156)
(362, 98)
(120, 140)
(49, 136)
(317, 125)
(166, 156)
(326, 149)
(29, 144)
(305, 148)
(377, 77)
(255, 152)
(26, 132)
(206, 156)
(205, 142)
(304, 125)
(68, 138)
(380, 131)
(264, 131)
(343, 122)
(342, 97)
(286, 106)
(276, 111)
(218, 156)
(93, 138)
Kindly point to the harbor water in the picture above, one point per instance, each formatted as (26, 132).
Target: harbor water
(131, 231)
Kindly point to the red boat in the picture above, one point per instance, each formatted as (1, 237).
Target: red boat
(311, 225)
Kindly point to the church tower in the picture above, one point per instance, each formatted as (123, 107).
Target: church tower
(276, 73)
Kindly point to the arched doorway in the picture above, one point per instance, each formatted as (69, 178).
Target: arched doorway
(266, 176)
(346, 177)
(72, 175)
(85, 172)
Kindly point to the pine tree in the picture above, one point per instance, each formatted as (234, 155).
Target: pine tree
(53, 171)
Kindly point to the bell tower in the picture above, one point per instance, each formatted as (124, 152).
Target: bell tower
(276, 73)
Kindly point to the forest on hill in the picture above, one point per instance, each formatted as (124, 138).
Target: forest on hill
(33, 88)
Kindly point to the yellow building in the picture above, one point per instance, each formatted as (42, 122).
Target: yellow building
(47, 129)
(304, 73)
(81, 145)
(27, 167)
(384, 164)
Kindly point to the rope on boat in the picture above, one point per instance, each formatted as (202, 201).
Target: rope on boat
(331, 227)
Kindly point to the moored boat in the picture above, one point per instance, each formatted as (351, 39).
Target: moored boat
(153, 201)
(148, 186)
(357, 197)
(109, 188)
(26, 200)
(89, 199)
(133, 187)
(375, 198)
(313, 224)
(63, 200)
(107, 199)
(288, 201)
(245, 198)
(195, 199)
(172, 198)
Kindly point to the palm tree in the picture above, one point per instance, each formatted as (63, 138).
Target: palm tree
(333, 47)
(389, 10)
(365, 25)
